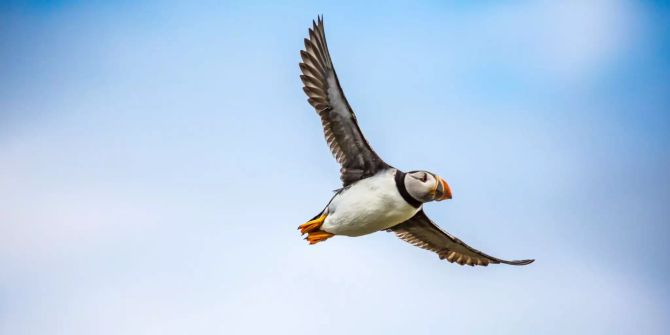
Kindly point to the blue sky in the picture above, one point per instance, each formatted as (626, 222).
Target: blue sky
(156, 159)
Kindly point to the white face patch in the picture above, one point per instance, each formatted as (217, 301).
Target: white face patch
(421, 185)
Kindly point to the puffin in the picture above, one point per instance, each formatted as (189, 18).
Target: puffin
(374, 196)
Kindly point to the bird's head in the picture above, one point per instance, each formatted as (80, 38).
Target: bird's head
(426, 186)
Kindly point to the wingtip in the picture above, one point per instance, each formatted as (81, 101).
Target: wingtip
(319, 21)
(521, 262)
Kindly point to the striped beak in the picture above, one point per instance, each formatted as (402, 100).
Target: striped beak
(442, 192)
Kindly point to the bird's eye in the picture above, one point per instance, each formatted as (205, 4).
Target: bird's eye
(424, 177)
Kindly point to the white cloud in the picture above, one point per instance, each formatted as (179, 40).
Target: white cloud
(577, 36)
(566, 39)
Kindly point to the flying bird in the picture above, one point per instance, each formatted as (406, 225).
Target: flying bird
(375, 196)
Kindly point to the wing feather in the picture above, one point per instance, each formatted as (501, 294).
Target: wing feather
(340, 127)
(423, 233)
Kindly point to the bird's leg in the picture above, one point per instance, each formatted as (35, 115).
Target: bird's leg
(313, 230)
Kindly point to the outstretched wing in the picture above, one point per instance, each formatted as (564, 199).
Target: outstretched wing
(344, 137)
(423, 233)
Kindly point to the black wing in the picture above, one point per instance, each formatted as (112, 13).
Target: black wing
(423, 233)
(344, 137)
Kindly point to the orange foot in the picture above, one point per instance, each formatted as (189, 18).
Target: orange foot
(318, 236)
(313, 230)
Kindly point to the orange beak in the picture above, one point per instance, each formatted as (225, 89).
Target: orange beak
(443, 191)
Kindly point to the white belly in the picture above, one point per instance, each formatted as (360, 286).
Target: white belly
(367, 206)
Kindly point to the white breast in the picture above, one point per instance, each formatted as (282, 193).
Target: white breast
(367, 206)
